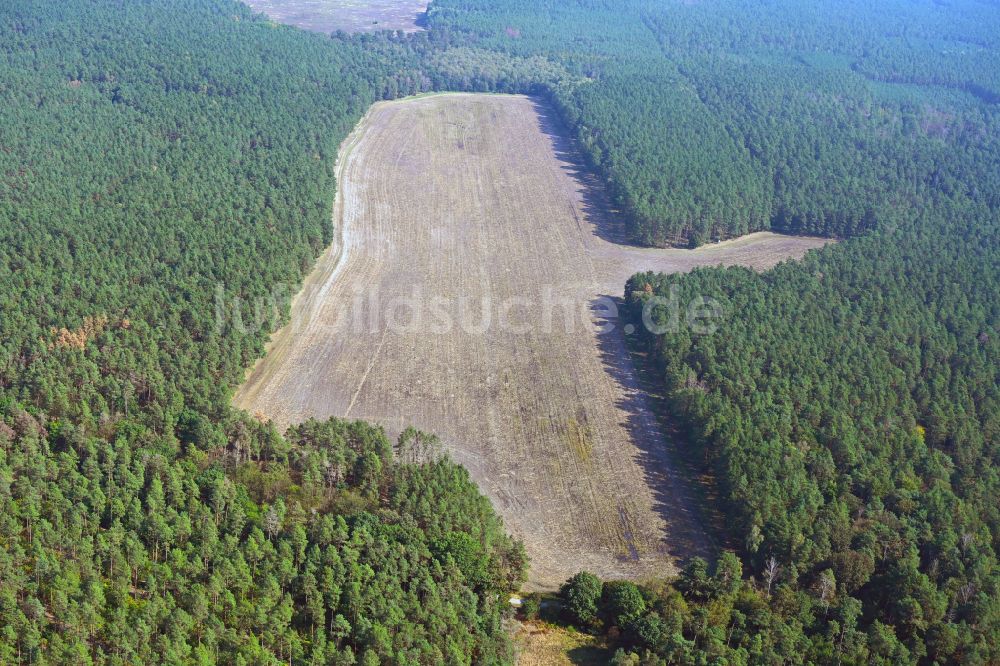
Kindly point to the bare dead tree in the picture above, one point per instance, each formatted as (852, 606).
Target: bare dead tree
(966, 592)
(272, 523)
(771, 571)
(826, 586)
(415, 446)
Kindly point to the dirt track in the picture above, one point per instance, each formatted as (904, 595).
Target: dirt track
(447, 200)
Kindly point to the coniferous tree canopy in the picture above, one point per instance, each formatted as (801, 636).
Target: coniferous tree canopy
(848, 407)
(712, 119)
(167, 174)
(163, 162)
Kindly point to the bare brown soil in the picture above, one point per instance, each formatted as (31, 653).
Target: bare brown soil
(459, 198)
(328, 16)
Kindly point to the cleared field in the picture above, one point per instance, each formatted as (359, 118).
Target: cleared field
(452, 206)
(348, 15)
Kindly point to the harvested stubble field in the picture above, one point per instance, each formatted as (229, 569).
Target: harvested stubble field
(461, 204)
(328, 16)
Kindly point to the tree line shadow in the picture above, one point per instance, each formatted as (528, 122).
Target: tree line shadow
(680, 501)
(680, 496)
(601, 216)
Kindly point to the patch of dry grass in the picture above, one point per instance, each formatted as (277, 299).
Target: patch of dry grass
(543, 644)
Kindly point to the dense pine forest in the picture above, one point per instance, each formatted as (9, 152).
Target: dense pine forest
(848, 407)
(158, 159)
(709, 120)
(162, 160)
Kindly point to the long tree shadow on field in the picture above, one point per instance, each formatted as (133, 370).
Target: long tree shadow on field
(596, 201)
(679, 499)
(676, 498)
